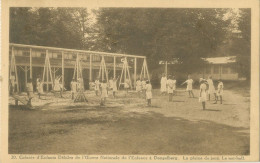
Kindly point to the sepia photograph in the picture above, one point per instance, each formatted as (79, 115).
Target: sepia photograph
(136, 81)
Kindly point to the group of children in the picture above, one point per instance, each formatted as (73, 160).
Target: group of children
(104, 87)
(206, 88)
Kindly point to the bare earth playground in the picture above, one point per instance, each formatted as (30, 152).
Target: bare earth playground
(125, 126)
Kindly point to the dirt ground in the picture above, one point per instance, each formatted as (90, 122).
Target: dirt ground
(127, 126)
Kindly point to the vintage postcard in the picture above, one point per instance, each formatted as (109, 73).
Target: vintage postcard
(115, 81)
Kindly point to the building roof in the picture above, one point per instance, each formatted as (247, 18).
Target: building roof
(221, 60)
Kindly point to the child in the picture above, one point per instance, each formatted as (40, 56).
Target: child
(97, 85)
(114, 86)
(73, 86)
(171, 86)
(138, 86)
(143, 86)
(29, 89)
(203, 93)
(163, 85)
(12, 83)
(211, 88)
(189, 86)
(111, 83)
(174, 84)
(127, 85)
(39, 87)
(104, 88)
(148, 89)
(220, 91)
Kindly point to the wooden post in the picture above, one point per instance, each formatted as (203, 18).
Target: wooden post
(47, 75)
(102, 68)
(54, 76)
(147, 70)
(135, 74)
(114, 66)
(25, 71)
(77, 62)
(62, 69)
(125, 62)
(90, 67)
(31, 63)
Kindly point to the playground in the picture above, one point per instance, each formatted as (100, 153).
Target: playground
(126, 126)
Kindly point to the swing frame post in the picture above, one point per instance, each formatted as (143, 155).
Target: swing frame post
(14, 67)
(31, 63)
(114, 67)
(90, 67)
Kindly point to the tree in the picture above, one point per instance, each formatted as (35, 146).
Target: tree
(163, 34)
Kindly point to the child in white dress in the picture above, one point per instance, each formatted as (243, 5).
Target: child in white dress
(203, 93)
(29, 89)
(189, 86)
(170, 84)
(104, 88)
(73, 86)
(163, 84)
(211, 89)
(114, 86)
(39, 87)
(148, 89)
(220, 91)
(97, 85)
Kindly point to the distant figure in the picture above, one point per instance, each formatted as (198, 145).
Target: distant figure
(97, 85)
(203, 93)
(104, 88)
(138, 86)
(148, 89)
(57, 83)
(143, 87)
(163, 84)
(29, 89)
(127, 85)
(211, 89)
(12, 82)
(189, 83)
(39, 87)
(171, 86)
(110, 83)
(73, 86)
(220, 91)
(114, 86)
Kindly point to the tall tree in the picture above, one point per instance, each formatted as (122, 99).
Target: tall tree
(163, 34)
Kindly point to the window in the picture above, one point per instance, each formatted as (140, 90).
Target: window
(224, 69)
(26, 54)
(216, 69)
(208, 69)
(233, 69)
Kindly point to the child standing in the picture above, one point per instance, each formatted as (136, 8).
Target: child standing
(73, 86)
(211, 87)
(163, 84)
(143, 87)
(203, 93)
(148, 89)
(170, 87)
(138, 86)
(189, 86)
(29, 89)
(127, 85)
(39, 87)
(111, 83)
(220, 91)
(97, 85)
(114, 87)
(104, 88)
(12, 82)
